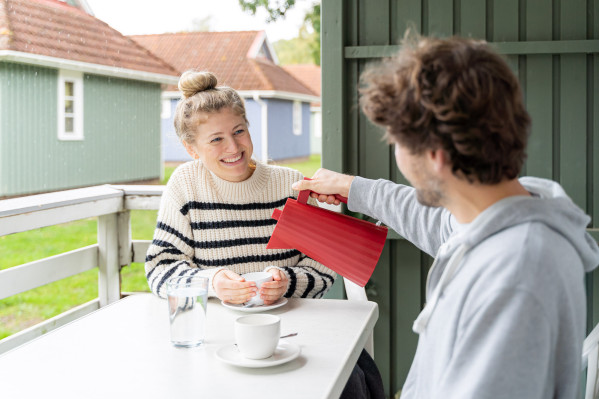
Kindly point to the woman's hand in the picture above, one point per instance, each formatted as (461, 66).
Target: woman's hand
(271, 291)
(326, 183)
(232, 288)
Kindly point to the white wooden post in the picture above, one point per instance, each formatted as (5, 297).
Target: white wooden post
(109, 284)
(124, 230)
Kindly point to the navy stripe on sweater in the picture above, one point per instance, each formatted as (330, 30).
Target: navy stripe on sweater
(169, 250)
(169, 272)
(227, 224)
(165, 277)
(292, 282)
(310, 285)
(311, 269)
(212, 244)
(202, 263)
(247, 259)
(323, 276)
(210, 206)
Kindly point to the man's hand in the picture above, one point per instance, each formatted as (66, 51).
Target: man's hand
(232, 288)
(271, 291)
(325, 184)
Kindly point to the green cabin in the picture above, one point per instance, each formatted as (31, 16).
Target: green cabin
(79, 102)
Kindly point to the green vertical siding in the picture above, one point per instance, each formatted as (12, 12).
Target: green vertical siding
(123, 125)
(560, 87)
(539, 74)
(28, 128)
(121, 132)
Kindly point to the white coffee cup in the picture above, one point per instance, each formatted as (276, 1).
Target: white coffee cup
(257, 335)
(258, 278)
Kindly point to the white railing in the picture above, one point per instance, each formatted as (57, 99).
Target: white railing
(114, 250)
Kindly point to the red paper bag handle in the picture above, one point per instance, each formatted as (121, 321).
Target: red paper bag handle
(304, 194)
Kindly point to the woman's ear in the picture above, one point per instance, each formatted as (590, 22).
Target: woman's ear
(190, 150)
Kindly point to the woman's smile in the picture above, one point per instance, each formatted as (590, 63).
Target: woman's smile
(235, 159)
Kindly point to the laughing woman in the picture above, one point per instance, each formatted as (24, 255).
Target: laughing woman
(215, 214)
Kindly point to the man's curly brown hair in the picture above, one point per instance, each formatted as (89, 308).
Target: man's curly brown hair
(453, 94)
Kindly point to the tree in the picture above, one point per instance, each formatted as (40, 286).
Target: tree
(201, 24)
(308, 35)
(274, 12)
(299, 50)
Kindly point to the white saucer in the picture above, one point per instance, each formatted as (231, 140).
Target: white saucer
(284, 353)
(255, 309)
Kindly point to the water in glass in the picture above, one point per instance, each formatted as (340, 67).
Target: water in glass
(187, 299)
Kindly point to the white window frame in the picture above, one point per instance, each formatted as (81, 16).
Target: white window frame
(165, 112)
(297, 118)
(317, 124)
(77, 79)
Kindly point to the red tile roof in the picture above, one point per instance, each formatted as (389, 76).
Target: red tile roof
(229, 55)
(55, 29)
(308, 74)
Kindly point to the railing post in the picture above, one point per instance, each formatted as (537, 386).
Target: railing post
(109, 284)
(124, 230)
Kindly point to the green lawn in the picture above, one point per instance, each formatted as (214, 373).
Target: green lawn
(308, 168)
(31, 307)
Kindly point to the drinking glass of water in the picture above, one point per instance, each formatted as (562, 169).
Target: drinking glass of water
(187, 299)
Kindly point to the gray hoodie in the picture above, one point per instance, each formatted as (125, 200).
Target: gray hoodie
(505, 313)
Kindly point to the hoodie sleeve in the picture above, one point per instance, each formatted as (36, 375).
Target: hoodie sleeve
(502, 349)
(397, 207)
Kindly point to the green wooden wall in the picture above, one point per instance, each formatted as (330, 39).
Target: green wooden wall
(121, 129)
(552, 46)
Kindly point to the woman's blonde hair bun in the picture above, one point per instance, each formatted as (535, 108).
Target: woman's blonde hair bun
(192, 82)
(201, 96)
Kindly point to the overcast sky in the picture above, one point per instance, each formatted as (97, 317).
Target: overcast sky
(136, 17)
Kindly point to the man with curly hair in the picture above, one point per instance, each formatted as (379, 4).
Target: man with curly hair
(505, 299)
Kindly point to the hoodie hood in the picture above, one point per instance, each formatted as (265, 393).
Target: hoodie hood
(549, 205)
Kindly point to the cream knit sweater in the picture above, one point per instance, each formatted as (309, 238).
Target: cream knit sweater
(206, 224)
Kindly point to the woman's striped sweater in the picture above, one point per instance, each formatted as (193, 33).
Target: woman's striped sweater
(206, 224)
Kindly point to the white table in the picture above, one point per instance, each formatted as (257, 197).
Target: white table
(123, 351)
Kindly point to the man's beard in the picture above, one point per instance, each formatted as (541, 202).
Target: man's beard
(429, 197)
(431, 193)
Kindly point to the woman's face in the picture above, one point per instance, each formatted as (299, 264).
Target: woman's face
(224, 145)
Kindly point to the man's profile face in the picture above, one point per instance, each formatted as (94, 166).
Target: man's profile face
(429, 187)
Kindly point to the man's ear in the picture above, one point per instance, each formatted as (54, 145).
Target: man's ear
(438, 159)
(190, 150)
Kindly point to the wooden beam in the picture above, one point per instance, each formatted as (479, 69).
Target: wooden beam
(507, 48)
(36, 203)
(141, 197)
(44, 271)
(109, 285)
(139, 249)
(28, 213)
(333, 85)
(124, 237)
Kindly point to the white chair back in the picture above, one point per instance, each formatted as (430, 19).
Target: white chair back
(353, 291)
(356, 293)
(590, 361)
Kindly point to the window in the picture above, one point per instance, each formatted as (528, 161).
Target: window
(70, 105)
(166, 109)
(297, 118)
(317, 124)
